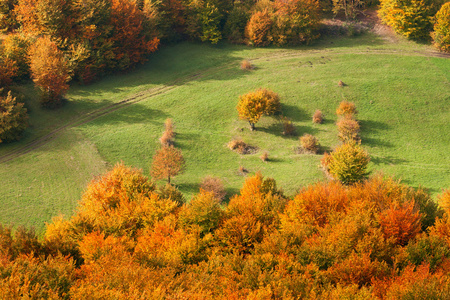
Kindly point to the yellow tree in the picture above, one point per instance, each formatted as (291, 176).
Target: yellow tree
(253, 105)
(13, 118)
(49, 70)
(167, 162)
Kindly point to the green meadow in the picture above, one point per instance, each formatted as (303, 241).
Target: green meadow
(401, 90)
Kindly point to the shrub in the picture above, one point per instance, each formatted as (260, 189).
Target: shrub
(348, 130)
(215, 186)
(318, 117)
(346, 109)
(441, 33)
(348, 163)
(253, 105)
(288, 126)
(309, 143)
(258, 28)
(246, 65)
(166, 139)
(13, 118)
(265, 156)
(169, 127)
(411, 18)
(240, 146)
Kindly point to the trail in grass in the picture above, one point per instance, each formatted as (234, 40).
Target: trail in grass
(149, 93)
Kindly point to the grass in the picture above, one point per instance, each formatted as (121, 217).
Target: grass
(401, 93)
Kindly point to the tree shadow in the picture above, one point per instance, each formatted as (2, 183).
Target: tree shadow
(294, 113)
(387, 160)
(370, 127)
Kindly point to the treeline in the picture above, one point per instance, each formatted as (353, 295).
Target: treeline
(129, 239)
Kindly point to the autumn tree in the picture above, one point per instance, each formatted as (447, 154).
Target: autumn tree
(348, 163)
(15, 48)
(8, 70)
(411, 18)
(7, 17)
(441, 33)
(252, 106)
(49, 70)
(167, 162)
(13, 118)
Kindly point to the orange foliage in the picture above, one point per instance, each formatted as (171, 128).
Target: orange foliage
(123, 201)
(317, 204)
(252, 106)
(49, 70)
(346, 109)
(25, 12)
(8, 69)
(258, 28)
(402, 222)
(357, 268)
(130, 41)
(167, 162)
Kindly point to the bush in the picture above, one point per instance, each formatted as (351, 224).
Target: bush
(346, 109)
(288, 126)
(348, 163)
(13, 119)
(348, 130)
(441, 33)
(318, 117)
(309, 143)
(215, 186)
(8, 70)
(246, 65)
(240, 146)
(411, 18)
(265, 156)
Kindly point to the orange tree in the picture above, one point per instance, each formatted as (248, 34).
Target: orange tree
(167, 162)
(253, 105)
(49, 70)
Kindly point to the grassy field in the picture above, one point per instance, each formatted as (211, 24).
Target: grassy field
(401, 90)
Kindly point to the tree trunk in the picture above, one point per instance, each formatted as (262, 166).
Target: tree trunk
(168, 179)
(252, 126)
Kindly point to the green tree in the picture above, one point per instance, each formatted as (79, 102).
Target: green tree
(348, 163)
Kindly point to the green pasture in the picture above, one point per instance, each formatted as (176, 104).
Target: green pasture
(402, 92)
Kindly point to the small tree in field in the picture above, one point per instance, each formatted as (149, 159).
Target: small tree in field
(253, 105)
(49, 70)
(348, 163)
(167, 162)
